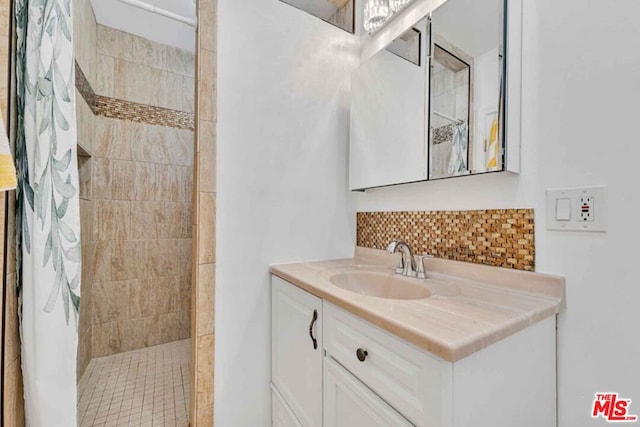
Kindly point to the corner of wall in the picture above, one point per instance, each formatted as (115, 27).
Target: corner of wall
(204, 220)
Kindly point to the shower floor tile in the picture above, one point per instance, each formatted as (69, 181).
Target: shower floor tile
(146, 387)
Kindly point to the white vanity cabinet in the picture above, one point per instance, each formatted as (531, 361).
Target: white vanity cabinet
(361, 375)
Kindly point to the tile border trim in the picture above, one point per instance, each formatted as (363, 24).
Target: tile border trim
(126, 110)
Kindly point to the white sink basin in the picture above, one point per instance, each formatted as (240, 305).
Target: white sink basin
(381, 285)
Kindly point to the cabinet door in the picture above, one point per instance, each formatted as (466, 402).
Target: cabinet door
(281, 414)
(349, 403)
(296, 350)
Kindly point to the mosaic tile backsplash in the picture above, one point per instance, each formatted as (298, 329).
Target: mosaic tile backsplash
(496, 237)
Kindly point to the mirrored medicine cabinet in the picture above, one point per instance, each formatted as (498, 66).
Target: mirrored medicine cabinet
(442, 99)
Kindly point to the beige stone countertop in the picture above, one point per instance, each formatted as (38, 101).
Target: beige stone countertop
(471, 307)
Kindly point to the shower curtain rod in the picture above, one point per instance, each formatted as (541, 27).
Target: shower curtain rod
(451, 119)
(153, 9)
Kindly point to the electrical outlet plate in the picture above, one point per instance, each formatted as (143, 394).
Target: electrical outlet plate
(588, 209)
(585, 205)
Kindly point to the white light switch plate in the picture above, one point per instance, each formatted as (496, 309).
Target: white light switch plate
(581, 219)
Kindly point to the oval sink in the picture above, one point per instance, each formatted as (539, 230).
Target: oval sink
(381, 285)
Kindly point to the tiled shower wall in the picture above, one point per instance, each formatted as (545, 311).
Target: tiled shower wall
(135, 190)
(204, 221)
(88, 246)
(139, 70)
(85, 24)
(142, 260)
(142, 193)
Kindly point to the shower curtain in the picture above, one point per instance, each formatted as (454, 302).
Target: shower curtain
(47, 210)
(458, 159)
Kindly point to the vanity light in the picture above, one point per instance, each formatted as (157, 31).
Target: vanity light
(396, 5)
(376, 13)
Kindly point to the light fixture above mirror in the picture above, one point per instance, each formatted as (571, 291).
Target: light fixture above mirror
(378, 12)
(397, 5)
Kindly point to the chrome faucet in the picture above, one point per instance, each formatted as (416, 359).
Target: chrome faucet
(407, 264)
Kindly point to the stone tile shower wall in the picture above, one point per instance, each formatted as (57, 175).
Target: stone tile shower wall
(85, 56)
(141, 185)
(85, 121)
(497, 237)
(204, 221)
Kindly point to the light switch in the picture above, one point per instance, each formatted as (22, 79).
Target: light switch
(563, 209)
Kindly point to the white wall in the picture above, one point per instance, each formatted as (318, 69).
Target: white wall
(283, 79)
(581, 84)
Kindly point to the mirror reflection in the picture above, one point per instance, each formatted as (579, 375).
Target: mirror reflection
(430, 105)
(466, 88)
(407, 46)
(340, 13)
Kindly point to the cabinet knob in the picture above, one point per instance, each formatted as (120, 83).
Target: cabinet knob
(362, 354)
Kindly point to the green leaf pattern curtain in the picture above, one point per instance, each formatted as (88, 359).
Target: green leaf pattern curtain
(47, 215)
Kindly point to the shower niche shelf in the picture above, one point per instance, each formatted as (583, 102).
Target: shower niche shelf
(83, 152)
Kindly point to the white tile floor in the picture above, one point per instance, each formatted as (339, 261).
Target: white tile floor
(146, 387)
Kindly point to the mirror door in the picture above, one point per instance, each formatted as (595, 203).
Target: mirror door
(467, 88)
(432, 103)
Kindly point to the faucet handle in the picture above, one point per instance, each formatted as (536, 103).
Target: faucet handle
(421, 273)
(400, 265)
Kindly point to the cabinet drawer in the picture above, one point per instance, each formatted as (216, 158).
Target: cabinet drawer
(416, 384)
(347, 402)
